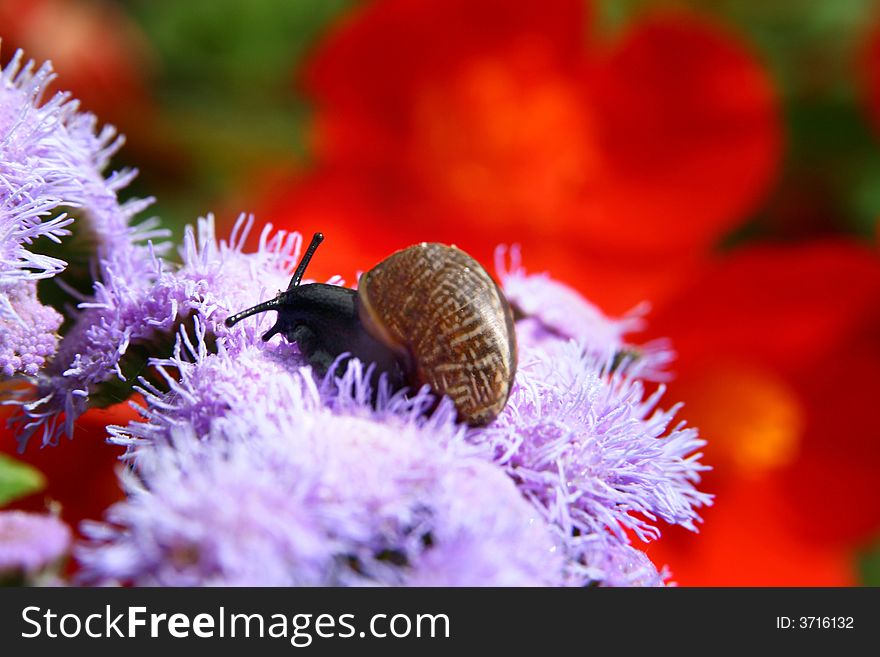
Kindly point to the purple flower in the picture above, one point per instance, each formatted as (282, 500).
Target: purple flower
(249, 471)
(51, 158)
(594, 454)
(484, 541)
(273, 487)
(126, 321)
(605, 560)
(550, 314)
(30, 543)
(28, 329)
(588, 455)
(581, 438)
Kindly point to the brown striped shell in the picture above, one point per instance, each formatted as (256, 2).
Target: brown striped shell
(441, 311)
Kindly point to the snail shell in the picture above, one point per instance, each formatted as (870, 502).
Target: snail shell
(442, 312)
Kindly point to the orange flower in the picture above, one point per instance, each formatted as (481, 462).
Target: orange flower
(778, 359)
(617, 163)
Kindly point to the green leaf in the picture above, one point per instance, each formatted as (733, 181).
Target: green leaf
(18, 479)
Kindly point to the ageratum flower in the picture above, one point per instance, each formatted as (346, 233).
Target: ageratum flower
(597, 457)
(30, 543)
(244, 476)
(551, 314)
(579, 435)
(124, 324)
(28, 330)
(581, 447)
(51, 159)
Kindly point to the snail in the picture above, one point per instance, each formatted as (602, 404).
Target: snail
(428, 314)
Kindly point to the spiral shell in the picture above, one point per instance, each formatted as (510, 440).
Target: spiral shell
(444, 314)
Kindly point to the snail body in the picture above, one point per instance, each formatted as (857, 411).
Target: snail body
(428, 314)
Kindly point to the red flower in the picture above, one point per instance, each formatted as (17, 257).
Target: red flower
(778, 359)
(617, 163)
(98, 52)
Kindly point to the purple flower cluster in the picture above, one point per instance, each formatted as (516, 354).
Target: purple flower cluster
(51, 162)
(304, 495)
(247, 468)
(337, 490)
(31, 546)
(587, 455)
(594, 453)
(123, 317)
(552, 314)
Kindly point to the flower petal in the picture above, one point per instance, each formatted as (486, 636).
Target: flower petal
(690, 132)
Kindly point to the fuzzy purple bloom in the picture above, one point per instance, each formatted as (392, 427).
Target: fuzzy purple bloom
(286, 491)
(249, 471)
(28, 329)
(589, 455)
(123, 316)
(597, 456)
(31, 542)
(51, 159)
(602, 559)
(552, 314)
(580, 437)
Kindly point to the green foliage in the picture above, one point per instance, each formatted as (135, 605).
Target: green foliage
(869, 565)
(226, 83)
(249, 48)
(18, 479)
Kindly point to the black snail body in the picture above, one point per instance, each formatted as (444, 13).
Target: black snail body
(427, 314)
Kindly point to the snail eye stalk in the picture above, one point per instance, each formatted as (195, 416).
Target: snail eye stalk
(232, 320)
(317, 238)
(274, 304)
